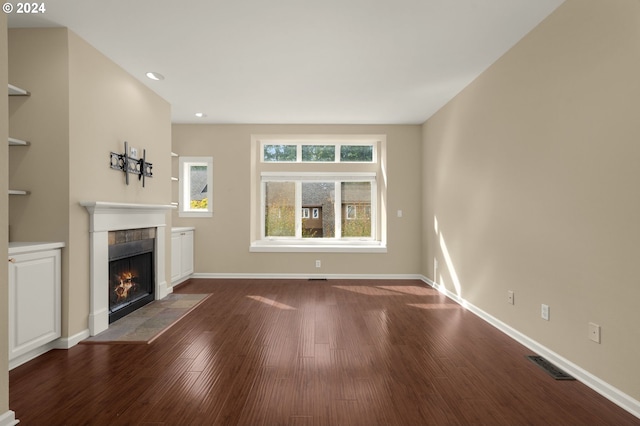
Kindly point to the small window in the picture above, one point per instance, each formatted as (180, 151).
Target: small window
(196, 179)
(280, 153)
(356, 153)
(318, 153)
(351, 212)
(309, 152)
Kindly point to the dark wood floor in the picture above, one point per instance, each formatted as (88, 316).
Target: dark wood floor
(269, 352)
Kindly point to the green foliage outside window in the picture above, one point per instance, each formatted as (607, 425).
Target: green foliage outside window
(318, 153)
(356, 153)
(280, 153)
(360, 226)
(280, 220)
(200, 204)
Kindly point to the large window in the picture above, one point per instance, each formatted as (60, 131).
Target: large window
(318, 193)
(196, 184)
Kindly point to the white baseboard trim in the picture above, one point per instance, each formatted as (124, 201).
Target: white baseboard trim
(71, 341)
(310, 276)
(32, 354)
(8, 419)
(60, 343)
(603, 388)
(180, 281)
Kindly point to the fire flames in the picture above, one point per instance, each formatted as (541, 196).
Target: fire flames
(125, 285)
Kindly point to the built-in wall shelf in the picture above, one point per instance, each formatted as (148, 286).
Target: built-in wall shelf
(18, 91)
(174, 178)
(18, 142)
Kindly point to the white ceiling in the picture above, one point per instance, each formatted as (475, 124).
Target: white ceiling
(300, 61)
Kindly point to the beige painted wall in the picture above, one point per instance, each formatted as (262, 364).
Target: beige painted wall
(81, 108)
(4, 221)
(532, 173)
(108, 106)
(38, 62)
(222, 242)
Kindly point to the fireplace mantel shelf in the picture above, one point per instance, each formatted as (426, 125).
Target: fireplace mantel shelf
(107, 205)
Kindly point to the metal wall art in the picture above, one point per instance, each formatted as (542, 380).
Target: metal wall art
(127, 164)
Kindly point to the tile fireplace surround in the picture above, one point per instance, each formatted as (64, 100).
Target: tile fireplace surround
(105, 217)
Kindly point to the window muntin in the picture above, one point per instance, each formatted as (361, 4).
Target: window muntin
(196, 181)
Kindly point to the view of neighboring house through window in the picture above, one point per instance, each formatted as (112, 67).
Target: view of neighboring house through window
(196, 179)
(319, 192)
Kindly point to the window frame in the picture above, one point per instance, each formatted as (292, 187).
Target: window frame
(337, 179)
(335, 171)
(337, 144)
(184, 203)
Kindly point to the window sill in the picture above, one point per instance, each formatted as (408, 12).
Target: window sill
(274, 247)
(195, 214)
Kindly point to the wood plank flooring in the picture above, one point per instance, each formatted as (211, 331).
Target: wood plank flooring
(297, 352)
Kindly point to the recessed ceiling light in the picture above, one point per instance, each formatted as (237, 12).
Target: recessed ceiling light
(155, 76)
(200, 114)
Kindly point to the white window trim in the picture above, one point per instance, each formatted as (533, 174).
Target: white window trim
(184, 193)
(300, 143)
(261, 169)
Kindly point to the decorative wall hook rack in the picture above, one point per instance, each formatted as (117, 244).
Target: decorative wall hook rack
(127, 164)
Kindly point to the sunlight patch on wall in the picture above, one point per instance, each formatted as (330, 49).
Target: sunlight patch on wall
(447, 258)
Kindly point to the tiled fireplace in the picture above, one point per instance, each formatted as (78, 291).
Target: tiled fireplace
(105, 218)
(131, 271)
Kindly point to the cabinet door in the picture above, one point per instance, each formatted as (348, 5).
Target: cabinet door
(34, 301)
(176, 254)
(187, 253)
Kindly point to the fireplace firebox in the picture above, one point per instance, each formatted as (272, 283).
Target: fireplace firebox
(131, 271)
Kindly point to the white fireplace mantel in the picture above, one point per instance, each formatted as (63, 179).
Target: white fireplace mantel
(108, 216)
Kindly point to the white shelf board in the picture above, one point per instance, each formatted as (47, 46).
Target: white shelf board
(18, 142)
(173, 154)
(18, 192)
(17, 91)
(175, 179)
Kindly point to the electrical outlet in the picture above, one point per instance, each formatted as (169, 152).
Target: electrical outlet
(318, 264)
(133, 152)
(594, 332)
(510, 297)
(544, 312)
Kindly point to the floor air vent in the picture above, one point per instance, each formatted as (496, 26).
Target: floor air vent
(318, 279)
(551, 369)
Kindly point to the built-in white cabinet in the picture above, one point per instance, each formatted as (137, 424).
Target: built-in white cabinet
(34, 299)
(181, 254)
